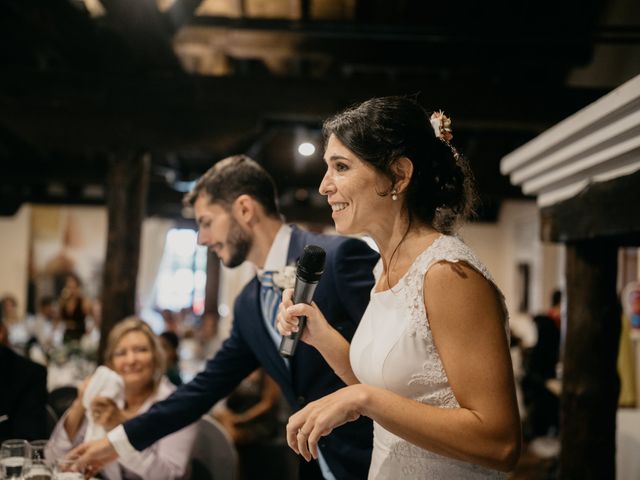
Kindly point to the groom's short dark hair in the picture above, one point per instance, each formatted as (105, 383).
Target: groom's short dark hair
(234, 176)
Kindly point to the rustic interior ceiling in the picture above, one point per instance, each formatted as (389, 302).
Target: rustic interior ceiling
(192, 81)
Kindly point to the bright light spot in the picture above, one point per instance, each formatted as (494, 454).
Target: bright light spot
(95, 8)
(307, 149)
(182, 242)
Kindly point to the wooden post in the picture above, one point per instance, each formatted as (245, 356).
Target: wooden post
(211, 294)
(127, 185)
(590, 379)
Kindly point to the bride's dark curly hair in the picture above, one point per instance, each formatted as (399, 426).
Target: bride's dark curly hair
(381, 130)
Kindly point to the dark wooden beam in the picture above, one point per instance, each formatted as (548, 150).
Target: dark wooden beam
(87, 112)
(126, 199)
(590, 386)
(212, 289)
(374, 45)
(144, 31)
(604, 210)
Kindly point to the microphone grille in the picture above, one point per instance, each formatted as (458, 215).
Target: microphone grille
(312, 259)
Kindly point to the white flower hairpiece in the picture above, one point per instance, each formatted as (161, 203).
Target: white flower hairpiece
(286, 278)
(441, 126)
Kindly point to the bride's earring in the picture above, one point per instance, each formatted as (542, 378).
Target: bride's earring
(394, 195)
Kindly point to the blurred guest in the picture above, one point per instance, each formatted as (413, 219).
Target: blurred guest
(554, 311)
(251, 416)
(9, 310)
(191, 354)
(90, 341)
(170, 343)
(17, 328)
(134, 352)
(250, 412)
(188, 320)
(541, 404)
(74, 307)
(170, 321)
(46, 326)
(23, 384)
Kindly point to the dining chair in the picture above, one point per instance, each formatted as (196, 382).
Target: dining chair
(52, 419)
(61, 399)
(214, 456)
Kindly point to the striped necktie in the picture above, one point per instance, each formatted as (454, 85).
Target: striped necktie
(270, 298)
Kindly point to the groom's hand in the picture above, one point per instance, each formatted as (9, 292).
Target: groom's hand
(91, 457)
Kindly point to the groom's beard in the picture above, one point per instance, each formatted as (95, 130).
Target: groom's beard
(238, 243)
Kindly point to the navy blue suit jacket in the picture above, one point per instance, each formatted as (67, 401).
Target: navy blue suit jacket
(342, 294)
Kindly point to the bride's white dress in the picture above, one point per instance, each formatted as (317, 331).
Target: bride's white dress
(393, 349)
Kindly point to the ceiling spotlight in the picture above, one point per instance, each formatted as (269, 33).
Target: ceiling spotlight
(94, 7)
(307, 149)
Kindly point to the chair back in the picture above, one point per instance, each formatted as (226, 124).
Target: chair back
(52, 419)
(61, 399)
(214, 456)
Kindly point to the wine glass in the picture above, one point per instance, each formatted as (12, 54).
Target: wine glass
(15, 457)
(37, 449)
(39, 469)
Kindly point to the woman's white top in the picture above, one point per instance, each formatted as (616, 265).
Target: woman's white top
(167, 459)
(393, 349)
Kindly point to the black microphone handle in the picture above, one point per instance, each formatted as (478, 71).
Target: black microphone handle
(302, 293)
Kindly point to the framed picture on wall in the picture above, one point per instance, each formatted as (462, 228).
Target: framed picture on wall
(523, 279)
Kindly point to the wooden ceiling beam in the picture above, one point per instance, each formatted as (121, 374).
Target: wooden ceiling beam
(612, 214)
(427, 46)
(82, 112)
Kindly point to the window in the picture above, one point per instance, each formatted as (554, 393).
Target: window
(183, 273)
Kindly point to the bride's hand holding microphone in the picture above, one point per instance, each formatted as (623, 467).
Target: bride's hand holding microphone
(316, 329)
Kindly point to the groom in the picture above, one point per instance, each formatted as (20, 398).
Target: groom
(238, 218)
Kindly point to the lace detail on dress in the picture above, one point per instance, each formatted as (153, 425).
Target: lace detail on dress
(442, 398)
(414, 280)
(432, 371)
(412, 462)
(444, 248)
(404, 449)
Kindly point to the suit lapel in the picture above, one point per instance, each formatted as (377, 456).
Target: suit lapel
(263, 338)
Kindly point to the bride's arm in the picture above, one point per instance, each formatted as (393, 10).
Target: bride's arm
(467, 324)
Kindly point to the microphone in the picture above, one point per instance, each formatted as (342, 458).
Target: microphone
(309, 269)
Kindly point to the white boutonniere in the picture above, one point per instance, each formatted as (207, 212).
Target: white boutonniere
(286, 278)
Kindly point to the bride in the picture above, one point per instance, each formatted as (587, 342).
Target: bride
(430, 361)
